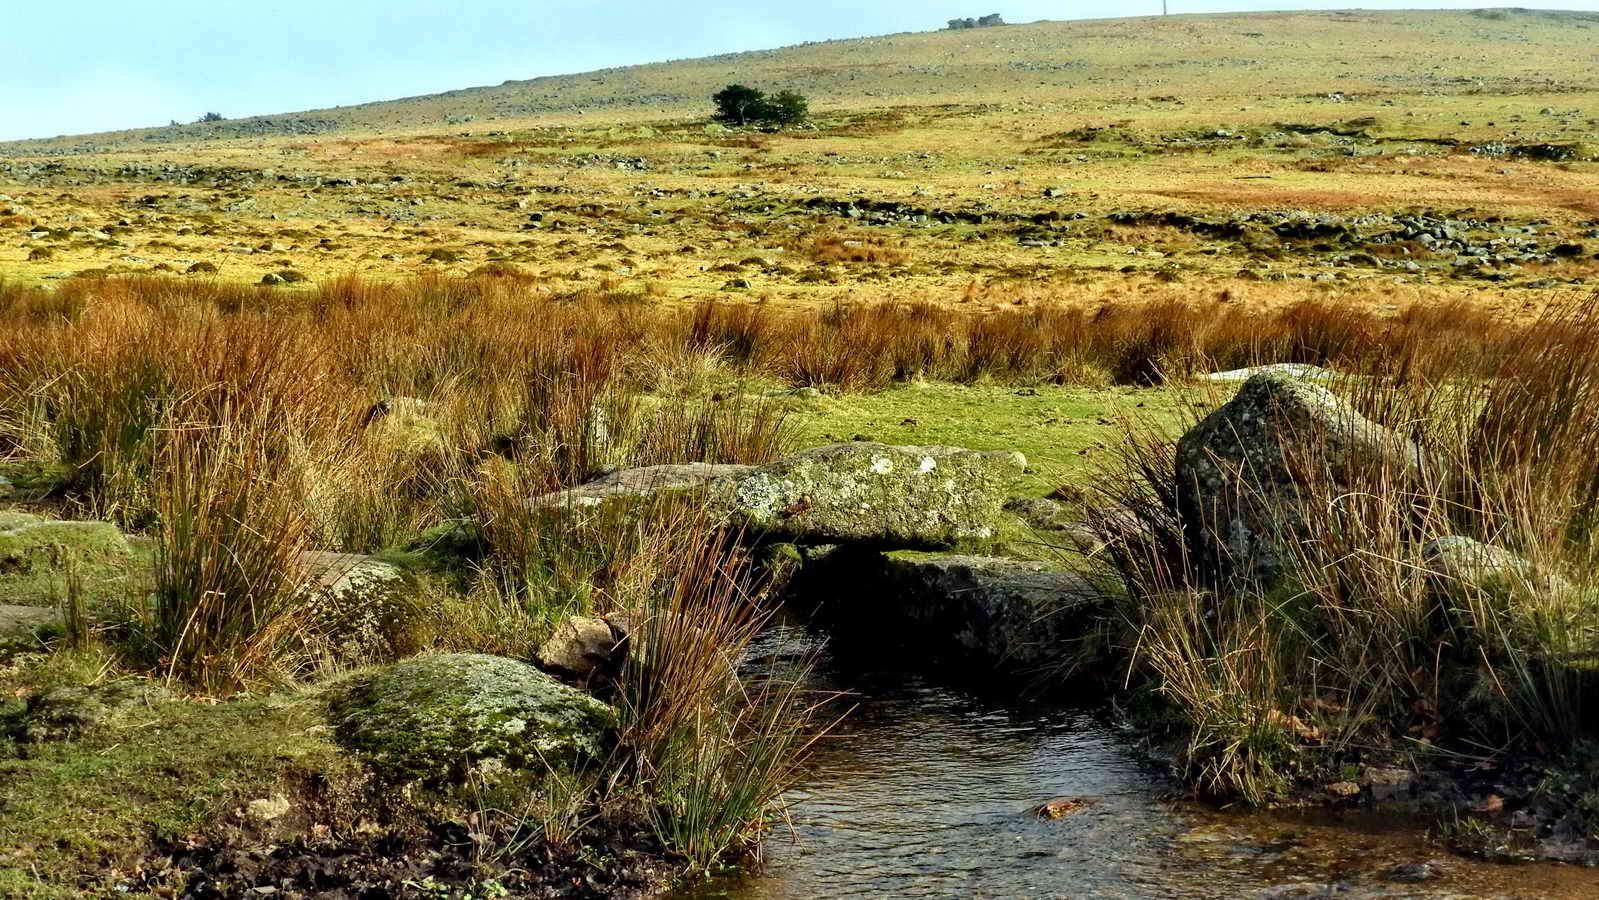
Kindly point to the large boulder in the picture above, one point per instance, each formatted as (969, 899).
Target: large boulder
(1005, 613)
(1246, 471)
(866, 493)
(434, 718)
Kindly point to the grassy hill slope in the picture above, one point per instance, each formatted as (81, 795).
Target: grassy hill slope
(1206, 58)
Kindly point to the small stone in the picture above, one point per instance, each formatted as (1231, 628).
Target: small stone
(585, 650)
(1063, 808)
(1344, 789)
(1414, 873)
(268, 809)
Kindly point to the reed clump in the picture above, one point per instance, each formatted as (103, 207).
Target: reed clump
(1362, 649)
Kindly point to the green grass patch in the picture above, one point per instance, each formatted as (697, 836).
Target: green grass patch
(1060, 429)
(81, 809)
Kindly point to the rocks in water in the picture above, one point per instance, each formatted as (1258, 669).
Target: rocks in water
(70, 712)
(434, 718)
(1064, 808)
(640, 483)
(867, 493)
(1012, 614)
(1415, 873)
(862, 493)
(586, 650)
(1243, 473)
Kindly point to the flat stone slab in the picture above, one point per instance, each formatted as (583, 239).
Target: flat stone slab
(14, 619)
(1292, 370)
(855, 493)
(1012, 614)
(637, 483)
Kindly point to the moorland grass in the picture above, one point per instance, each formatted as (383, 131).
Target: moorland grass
(357, 415)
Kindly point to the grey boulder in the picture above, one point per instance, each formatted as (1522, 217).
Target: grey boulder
(1246, 473)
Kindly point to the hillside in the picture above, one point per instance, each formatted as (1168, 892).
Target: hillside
(1205, 58)
(1380, 156)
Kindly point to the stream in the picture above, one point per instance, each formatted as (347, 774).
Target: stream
(925, 790)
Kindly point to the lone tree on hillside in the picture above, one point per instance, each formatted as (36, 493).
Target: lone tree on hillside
(737, 104)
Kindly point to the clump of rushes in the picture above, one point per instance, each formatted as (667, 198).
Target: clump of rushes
(1356, 647)
(227, 606)
(709, 752)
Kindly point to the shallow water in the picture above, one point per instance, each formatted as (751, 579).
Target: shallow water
(925, 791)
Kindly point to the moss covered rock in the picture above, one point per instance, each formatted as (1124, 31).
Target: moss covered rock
(873, 494)
(35, 553)
(71, 711)
(433, 718)
(31, 543)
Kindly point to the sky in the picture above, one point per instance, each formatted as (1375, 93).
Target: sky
(78, 66)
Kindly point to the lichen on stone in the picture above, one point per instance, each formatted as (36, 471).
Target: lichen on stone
(433, 718)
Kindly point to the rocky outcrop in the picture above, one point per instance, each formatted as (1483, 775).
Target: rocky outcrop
(434, 718)
(1006, 613)
(1245, 472)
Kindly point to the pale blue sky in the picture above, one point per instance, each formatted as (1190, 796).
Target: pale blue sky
(73, 66)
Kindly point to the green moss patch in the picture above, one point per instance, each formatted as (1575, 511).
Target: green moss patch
(429, 719)
(74, 812)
